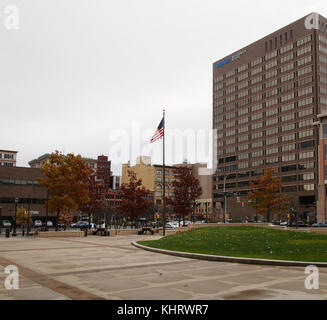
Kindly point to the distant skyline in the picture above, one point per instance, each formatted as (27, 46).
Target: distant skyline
(76, 70)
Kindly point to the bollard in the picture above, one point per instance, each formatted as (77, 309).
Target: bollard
(7, 233)
(23, 233)
(85, 232)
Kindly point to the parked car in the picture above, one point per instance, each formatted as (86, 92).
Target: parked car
(80, 224)
(322, 224)
(49, 224)
(300, 224)
(283, 224)
(6, 224)
(61, 226)
(169, 226)
(37, 223)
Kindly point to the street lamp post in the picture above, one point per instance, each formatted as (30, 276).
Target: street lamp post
(28, 216)
(225, 204)
(206, 212)
(47, 212)
(14, 234)
(0, 218)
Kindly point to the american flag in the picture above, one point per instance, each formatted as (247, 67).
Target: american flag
(159, 132)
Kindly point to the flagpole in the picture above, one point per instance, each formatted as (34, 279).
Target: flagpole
(164, 178)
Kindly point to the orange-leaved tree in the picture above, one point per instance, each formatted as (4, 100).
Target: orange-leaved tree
(135, 198)
(186, 189)
(97, 196)
(24, 218)
(66, 178)
(265, 196)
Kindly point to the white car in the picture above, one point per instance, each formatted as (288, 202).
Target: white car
(171, 225)
(49, 224)
(6, 224)
(37, 223)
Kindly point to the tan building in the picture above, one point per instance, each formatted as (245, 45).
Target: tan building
(8, 158)
(152, 179)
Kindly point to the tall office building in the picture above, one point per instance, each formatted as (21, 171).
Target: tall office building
(267, 101)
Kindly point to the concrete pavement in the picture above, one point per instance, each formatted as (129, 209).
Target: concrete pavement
(111, 268)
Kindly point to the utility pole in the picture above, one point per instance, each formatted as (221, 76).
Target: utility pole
(14, 234)
(225, 204)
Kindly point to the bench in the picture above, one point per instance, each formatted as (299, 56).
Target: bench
(145, 230)
(103, 232)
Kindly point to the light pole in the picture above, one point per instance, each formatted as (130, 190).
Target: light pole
(0, 218)
(206, 212)
(14, 234)
(28, 216)
(47, 212)
(225, 204)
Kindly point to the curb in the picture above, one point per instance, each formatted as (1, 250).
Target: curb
(209, 257)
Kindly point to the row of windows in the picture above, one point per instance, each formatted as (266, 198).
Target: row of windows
(6, 156)
(268, 75)
(261, 87)
(284, 169)
(257, 107)
(270, 55)
(273, 121)
(305, 187)
(19, 182)
(253, 99)
(267, 57)
(268, 161)
(167, 173)
(271, 151)
(6, 164)
(260, 144)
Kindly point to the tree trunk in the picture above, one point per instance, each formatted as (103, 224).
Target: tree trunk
(268, 216)
(57, 220)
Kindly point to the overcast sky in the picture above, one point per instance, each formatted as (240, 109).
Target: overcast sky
(76, 70)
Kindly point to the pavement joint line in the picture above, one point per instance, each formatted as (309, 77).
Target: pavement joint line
(124, 247)
(237, 288)
(65, 248)
(44, 280)
(208, 257)
(117, 268)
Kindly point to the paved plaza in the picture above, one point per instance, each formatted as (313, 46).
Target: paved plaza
(111, 268)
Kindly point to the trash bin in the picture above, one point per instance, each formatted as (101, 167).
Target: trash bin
(7, 233)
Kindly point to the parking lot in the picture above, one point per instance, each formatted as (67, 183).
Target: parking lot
(111, 268)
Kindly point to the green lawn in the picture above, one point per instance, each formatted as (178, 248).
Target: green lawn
(250, 242)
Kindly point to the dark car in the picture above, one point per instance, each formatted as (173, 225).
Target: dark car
(80, 224)
(300, 224)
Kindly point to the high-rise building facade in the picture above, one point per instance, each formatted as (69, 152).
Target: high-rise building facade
(266, 99)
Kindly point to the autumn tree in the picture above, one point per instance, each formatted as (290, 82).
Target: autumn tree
(134, 198)
(186, 189)
(97, 196)
(65, 217)
(67, 179)
(24, 218)
(265, 196)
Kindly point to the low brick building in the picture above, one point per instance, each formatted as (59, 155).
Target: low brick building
(21, 183)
